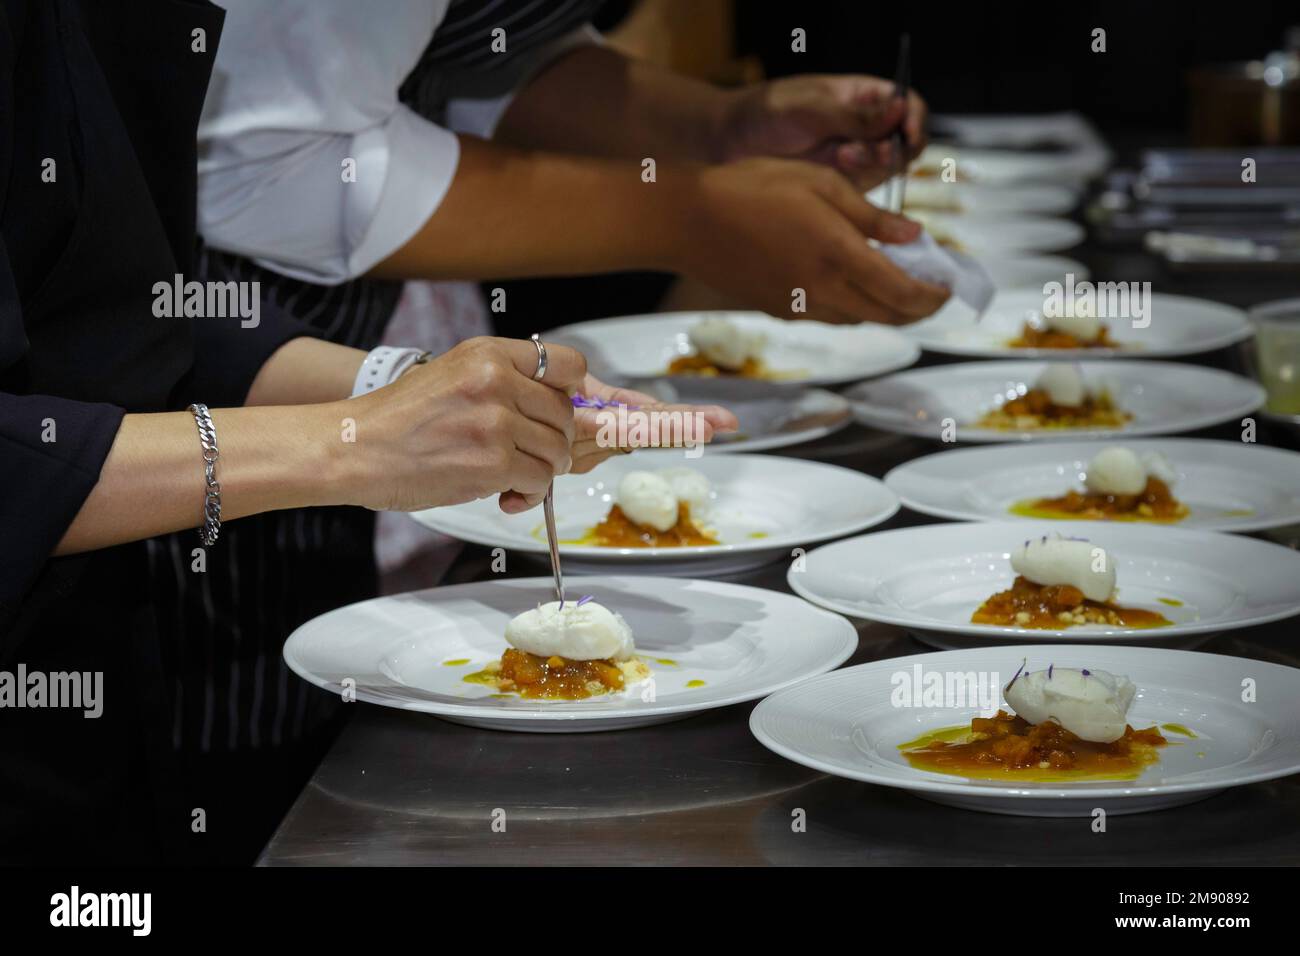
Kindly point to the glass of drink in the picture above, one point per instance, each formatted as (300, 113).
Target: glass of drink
(1277, 355)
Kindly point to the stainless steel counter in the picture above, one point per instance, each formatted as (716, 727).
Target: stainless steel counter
(409, 789)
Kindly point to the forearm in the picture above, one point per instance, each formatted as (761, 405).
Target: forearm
(153, 480)
(306, 371)
(597, 102)
(512, 212)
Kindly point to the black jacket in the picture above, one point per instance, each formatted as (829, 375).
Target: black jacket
(99, 103)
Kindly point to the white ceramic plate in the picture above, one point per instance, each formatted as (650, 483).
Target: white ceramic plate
(770, 415)
(1229, 486)
(641, 346)
(1178, 325)
(1163, 397)
(1020, 131)
(967, 199)
(999, 235)
(763, 507)
(1019, 271)
(1006, 167)
(845, 723)
(739, 643)
(930, 579)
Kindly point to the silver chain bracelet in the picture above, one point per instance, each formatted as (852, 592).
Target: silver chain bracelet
(212, 497)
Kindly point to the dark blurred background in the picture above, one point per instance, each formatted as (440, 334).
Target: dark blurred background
(1027, 57)
(974, 57)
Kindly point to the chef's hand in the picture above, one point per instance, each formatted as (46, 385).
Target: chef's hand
(782, 234)
(467, 424)
(845, 122)
(596, 436)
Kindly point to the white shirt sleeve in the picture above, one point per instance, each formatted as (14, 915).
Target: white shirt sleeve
(308, 162)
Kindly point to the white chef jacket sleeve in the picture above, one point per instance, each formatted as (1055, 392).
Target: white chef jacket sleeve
(308, 162)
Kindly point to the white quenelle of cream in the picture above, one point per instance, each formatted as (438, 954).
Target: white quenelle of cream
(725, 344)
(1092, 705)
(1063, 384)
(1076, 321)
(1116, 470)
(1158, 466)
(584, 631)
(1053, 560)
(691, 487)
(648, 499)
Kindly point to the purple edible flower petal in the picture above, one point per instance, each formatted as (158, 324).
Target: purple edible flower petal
(582, 401)
(1023, 662)
(1049, 671)
(583, 600)
(1086, 672)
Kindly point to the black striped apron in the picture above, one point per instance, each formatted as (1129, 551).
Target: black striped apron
(223, 630)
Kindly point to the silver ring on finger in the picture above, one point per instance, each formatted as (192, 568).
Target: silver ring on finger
(541, 357)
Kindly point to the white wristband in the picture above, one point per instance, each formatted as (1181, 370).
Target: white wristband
(382, 366)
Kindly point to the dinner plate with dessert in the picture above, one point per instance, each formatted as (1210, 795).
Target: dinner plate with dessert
(1046, 730)
(941, 162)
(1189, 482)
(620, 652)
(1023, 401)
(1015, 582)
(769, 415)
(1065, 132)
(716, 513)
(1028, 324)
(737, 345)
(994, 234)
(966, 199)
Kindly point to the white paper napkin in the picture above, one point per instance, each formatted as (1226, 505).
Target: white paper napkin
(928, 261)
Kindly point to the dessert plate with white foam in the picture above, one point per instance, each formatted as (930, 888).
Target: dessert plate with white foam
(1005, 167)
(999, 234)
(1192, 736)
(675, 515)
(728, 345)
(957, 199)
(696, 645)
(1221, 485)
(1014, 582)
(1028, 324)
(1022, 401)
